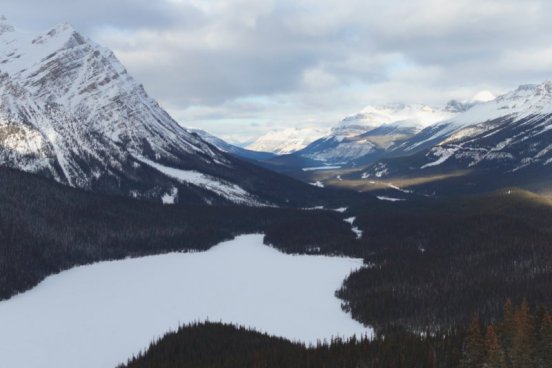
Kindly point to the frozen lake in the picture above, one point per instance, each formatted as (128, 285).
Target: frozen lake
(99, 315)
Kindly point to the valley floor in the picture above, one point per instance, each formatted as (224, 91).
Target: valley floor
(100, 315)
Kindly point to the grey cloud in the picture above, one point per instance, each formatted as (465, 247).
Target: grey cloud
(90, 14)
(308, 60)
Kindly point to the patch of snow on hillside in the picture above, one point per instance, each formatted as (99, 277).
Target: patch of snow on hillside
(354, 229)
(230, 191)
(415, 115)
(390, 199)
(444, 153)
(100, 315)
(393, 186)
(319, 168)
(169, 198)
(381, 170)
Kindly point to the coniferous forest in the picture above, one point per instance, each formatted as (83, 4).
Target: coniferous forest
(431, 265)
(521, 338)
(46, 228)
(434, 265)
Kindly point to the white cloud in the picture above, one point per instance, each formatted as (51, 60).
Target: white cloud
(236, 67)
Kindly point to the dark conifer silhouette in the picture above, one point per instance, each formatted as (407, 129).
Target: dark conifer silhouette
(224, 346)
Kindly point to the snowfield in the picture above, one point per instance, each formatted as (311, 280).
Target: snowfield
(99, 315)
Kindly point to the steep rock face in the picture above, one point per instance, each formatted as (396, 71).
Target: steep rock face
(70, 111)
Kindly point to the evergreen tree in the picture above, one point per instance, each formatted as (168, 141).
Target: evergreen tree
(495, 356)
(473, 351)
(506, 330)
(523, 340)
(544, 353)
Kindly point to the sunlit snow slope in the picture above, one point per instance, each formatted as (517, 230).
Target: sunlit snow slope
(511, 134)
(372, 132)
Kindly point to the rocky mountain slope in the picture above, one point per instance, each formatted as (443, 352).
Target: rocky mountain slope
(511, 136)
(511, 133)
(372, 132)
(70, 111)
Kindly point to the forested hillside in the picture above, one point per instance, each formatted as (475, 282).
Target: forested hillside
(433, 264)
(522, 338)
(46, 227)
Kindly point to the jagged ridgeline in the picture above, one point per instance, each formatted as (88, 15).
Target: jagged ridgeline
(70, 111)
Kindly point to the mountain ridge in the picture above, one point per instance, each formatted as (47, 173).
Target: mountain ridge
(70, 111)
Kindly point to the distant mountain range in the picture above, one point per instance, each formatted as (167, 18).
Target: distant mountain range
(486, 142)
(70, 111)
(233, 149)
(508, 139)
(371, 132)
(286, 141)
(476, 145)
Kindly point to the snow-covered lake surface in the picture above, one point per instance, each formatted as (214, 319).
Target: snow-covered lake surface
(99, 315)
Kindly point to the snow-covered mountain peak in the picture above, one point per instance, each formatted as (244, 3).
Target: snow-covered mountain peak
(460, 106)
(373, 130)
(287, 140)
(64, 34)
(483, 96)
(5, 26)
(535, 96)
(526, 100)
(415, 116)
(456, 106)
(69, 110)
(22, 52)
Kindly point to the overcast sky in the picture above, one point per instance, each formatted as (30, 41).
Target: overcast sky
(238, 68)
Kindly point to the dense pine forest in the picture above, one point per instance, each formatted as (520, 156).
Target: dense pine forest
(46, 228)
(522, 338)
(224, 346)
(434, 264)
(431, 263)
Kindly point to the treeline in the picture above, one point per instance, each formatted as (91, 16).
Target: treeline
(436, 263)
(224, 346)
(521, 339)
(433, 264)
(46, 228)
